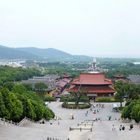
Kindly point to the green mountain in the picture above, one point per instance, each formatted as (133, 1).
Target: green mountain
(32, 53)
(48, 54)
(13, 53)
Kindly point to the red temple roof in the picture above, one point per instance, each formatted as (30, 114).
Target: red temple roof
(92, 79)
(95, 89)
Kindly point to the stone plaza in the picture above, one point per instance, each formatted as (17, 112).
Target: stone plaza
(99, 122)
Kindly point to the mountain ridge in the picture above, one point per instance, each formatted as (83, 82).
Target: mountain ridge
(49, 54)
(45, 53)
(13, 53)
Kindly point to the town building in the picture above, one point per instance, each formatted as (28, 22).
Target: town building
(55, 83)
(120, 78)
(134, 79)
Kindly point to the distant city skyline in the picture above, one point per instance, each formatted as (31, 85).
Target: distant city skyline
(95, 28)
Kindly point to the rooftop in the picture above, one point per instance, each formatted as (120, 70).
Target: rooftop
(92, 89)
(134, 79)
(92, 79)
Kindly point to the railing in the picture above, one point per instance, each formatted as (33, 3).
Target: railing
(50, 138)
(80, 128)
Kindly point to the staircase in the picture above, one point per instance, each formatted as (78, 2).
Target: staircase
(24, 130)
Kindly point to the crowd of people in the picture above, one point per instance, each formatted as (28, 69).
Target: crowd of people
(95, 109)
(122, 127)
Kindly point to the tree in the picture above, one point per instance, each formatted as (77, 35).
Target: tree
(5, 97)
(15, 107)
(135, 113)
(78, 95)
(126, 113)
(133, 91)
(48, 114)
(120, 88)
(38, 109)
(30, 111)
(9, 85)
(132, 111)
(20, 102)
(3, 110)
(41, 87)
(19, 88)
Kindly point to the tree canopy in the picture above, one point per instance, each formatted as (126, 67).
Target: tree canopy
(20, 103)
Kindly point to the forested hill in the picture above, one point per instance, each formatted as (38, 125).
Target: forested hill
(18, 101)
(12, 53)
(48, 54)
(10, 74)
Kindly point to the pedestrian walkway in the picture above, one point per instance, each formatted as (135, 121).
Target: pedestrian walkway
(59, 128)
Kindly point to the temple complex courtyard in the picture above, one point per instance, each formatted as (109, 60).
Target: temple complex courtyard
(100, 121)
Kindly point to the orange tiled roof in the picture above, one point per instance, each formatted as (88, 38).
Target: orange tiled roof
(92, 79)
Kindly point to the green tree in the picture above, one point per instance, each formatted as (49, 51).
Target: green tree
(48, 113)
(132, 111)
(38, 109)
(78, 95)
(41, 87)
(15, 107)
(135, 113)
(3, 110)
(30, 111)
(19, 88)
(20, 102)
(121, 89)
(9, 85)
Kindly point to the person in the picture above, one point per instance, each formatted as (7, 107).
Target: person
(109, 118)
(120, 128)
(123, 128)
(113, 127)
(131, 126)
(72, 117)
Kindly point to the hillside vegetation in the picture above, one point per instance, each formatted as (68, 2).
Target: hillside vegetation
(18, 101)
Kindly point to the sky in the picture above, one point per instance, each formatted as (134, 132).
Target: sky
(103, 28)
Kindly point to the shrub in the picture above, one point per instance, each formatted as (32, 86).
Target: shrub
(105, 99)
(70, 98)
(49, 98)
(73, 106)
(132, 111)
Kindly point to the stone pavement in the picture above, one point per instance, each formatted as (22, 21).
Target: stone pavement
(102, 130)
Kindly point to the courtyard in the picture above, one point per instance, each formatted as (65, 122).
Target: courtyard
(100, 118)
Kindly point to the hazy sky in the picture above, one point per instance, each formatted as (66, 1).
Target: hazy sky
(90, 27)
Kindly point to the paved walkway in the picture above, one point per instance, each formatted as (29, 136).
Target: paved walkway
(102, 130)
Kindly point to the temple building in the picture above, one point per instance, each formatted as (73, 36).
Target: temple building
(120, 77)
(93, 83)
